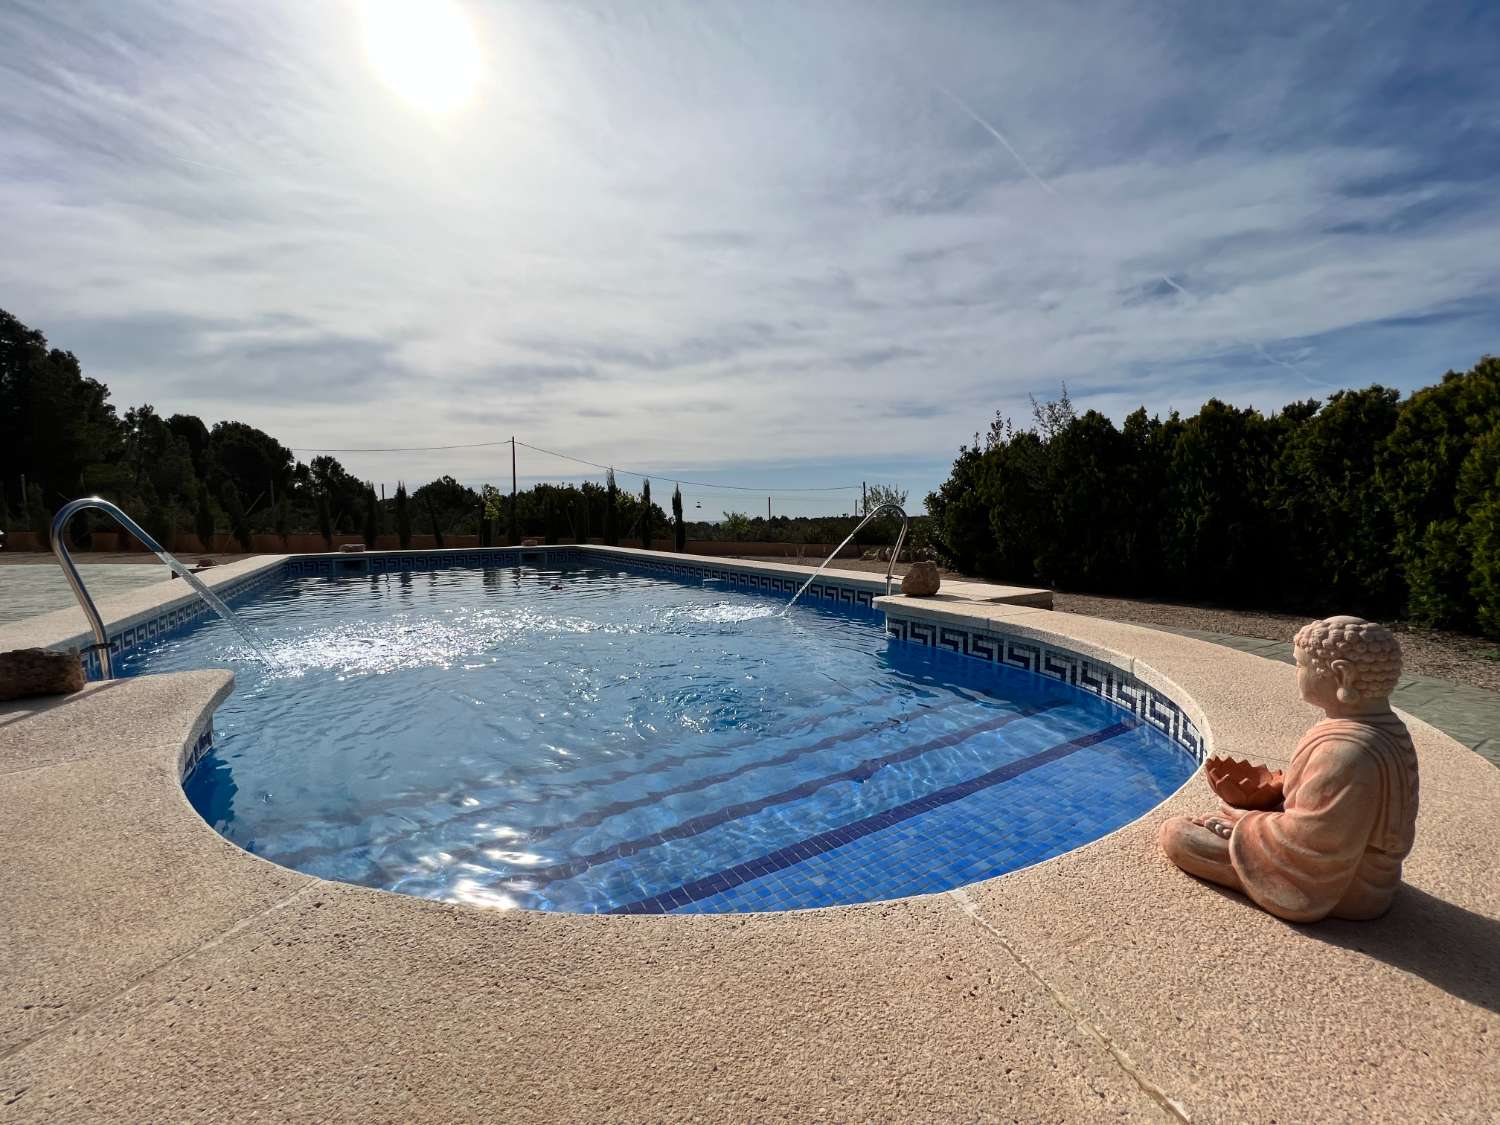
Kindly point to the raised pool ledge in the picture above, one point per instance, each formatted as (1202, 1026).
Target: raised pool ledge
(151, 970)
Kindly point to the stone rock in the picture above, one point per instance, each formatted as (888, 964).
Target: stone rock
(921, 581)
(39, 671)
(351, 548)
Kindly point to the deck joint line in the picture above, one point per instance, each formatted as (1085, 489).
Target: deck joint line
(156, 970)
(1131, 1069)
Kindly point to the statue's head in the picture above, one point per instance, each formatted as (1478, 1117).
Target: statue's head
(1347, 664)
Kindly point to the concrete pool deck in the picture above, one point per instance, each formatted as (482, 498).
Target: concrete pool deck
(154, 971)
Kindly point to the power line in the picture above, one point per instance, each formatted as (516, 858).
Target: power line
(679, 480)
(400, 448)
(568, 457)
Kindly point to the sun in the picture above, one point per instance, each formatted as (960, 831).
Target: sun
(424, 50)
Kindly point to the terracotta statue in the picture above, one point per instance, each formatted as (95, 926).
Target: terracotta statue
(1327, 838)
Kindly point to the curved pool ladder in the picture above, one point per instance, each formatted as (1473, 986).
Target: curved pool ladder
(60, 548)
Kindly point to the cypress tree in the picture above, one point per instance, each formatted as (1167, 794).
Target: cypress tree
(283, 518)
(646, 515)
(437, 531)
(325, 519)
(557, 518)
(372, 519)
(679, 528)
(403, 517)
(203, 519)
(234, 508)
(611, 498)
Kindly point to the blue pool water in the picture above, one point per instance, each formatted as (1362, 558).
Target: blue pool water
(594, 740)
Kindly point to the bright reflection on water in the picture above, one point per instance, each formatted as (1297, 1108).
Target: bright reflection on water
(589, 739)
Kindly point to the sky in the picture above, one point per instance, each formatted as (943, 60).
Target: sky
(782, 245)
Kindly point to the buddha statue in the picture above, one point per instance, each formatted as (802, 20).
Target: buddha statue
(1327, 837)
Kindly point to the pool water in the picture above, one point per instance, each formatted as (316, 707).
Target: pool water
(588, 739)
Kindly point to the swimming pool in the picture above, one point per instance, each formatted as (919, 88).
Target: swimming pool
(585, 738)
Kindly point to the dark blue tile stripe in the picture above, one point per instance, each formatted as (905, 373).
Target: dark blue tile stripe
(793, 854)
(632, 771)
(700, 824)
(599, 815)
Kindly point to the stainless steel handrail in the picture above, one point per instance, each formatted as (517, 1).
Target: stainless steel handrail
(60, 549)
(900, 539)
(891, 566)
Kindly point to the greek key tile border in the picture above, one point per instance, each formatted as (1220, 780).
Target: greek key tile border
(380, 562)
(203, 742)
(1109, 683)
(823, 589)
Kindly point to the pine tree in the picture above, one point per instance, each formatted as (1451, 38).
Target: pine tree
(646, 515)
(611, 499)
(678, 527)
(403, 517)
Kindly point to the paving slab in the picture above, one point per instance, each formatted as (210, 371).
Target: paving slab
(349, 1004)
(106, 877)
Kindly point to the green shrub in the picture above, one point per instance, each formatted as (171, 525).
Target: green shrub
(1479, 499)
(1419, 470)
(1362, 504)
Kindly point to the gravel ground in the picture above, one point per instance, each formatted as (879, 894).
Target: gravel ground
(1425, 652)
(1458, 657)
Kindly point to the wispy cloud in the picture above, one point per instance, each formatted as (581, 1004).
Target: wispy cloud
(726, 235)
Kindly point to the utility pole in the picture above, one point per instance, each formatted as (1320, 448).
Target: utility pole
(768, 509)
(512, 485)
(864, 498)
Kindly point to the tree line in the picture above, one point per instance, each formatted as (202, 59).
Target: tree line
(1365, 502)
(61, 437)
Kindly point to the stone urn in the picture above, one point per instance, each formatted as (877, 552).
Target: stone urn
(921, 581)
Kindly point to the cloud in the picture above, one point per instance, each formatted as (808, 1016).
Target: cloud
(744, 238)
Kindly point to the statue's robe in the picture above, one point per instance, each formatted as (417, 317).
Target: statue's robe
(1348, 820)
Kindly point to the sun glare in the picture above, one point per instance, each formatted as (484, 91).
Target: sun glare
(424, 50)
